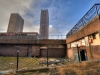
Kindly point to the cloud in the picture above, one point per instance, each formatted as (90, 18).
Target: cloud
(12, 6)
(63, 14)
(53, 31)
(55, 34)
(30, 27)
(28, 9)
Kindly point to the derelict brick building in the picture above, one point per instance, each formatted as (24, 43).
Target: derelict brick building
(84, 38)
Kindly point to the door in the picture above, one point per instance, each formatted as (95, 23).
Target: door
(83, 55)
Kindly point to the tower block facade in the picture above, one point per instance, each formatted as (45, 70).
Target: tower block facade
(44, 24)
(16, 23)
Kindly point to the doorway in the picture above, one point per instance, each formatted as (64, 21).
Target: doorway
(83, 55)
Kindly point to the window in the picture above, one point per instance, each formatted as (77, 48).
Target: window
(94, 36)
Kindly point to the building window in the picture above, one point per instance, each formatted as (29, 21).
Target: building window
(94, 36)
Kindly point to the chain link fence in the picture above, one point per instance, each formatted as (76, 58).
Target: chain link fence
(24, 63)
(7, 63)
(28, 65)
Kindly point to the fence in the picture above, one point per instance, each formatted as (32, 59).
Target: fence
(22, 66)
(29, 65)
(29, 37)
(57, 36)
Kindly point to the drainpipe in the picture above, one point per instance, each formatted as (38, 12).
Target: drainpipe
(90, 51)
(78, 53)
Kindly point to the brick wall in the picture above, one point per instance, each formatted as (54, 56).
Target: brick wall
(31, 50)
(11, 50)
(54, 52)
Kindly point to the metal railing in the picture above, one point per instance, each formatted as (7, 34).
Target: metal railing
(29, 37)
(92, 13)
(57, 37)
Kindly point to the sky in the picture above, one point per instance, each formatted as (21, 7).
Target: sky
(63, 14)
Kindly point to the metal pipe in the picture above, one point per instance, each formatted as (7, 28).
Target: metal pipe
(78, 53)
(17, 60)
(90, 51)
(47, 57)
(28, 51)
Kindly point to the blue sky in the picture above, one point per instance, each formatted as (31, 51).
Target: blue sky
(63, 14)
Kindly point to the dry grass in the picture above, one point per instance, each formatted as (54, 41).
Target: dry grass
(83, 68)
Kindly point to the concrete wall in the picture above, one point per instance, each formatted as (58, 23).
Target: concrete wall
(11, 50)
